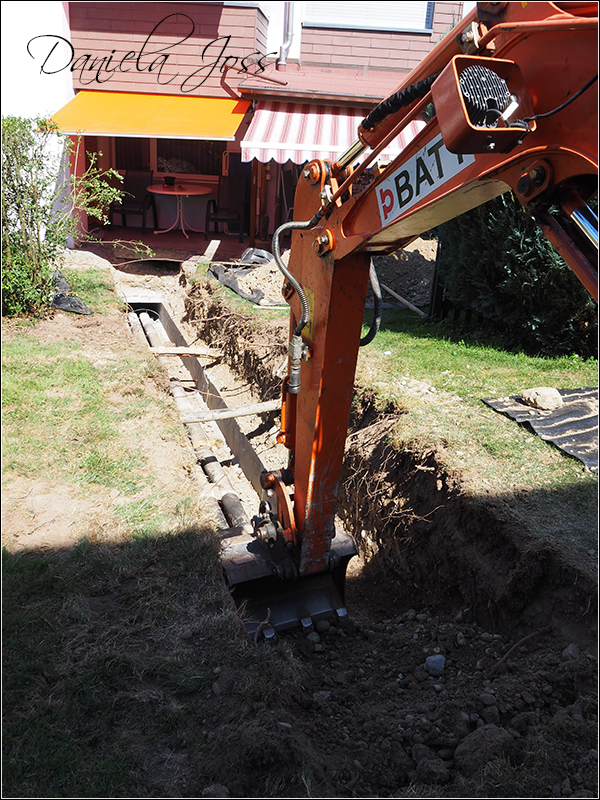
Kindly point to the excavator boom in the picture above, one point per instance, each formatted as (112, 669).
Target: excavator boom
(507, 101)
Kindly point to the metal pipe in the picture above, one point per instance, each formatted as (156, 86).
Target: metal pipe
(288, 32)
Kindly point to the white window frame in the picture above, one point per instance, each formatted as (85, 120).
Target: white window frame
(371, 16)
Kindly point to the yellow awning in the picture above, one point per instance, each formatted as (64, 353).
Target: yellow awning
(151, 115)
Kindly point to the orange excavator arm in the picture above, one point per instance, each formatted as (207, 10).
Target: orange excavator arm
(506, 101)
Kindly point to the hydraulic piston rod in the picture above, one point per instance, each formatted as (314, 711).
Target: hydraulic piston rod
(587, 222)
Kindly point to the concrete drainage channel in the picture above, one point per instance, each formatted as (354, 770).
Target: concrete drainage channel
(205, 413)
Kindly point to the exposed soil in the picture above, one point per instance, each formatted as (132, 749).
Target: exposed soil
(467, 665)
(408, 273)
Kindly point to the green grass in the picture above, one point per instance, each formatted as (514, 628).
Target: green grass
(68, 410)
(58, 420)
(442, 381)
(93, 286)
(77, 416)
(425, 351)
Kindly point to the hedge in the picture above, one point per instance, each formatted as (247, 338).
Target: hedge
(496, 262)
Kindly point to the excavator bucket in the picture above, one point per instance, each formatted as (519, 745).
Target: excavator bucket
(271, 603)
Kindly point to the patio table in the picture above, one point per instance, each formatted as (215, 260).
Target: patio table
(180, 190)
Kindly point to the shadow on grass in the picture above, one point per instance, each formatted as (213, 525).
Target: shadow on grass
(109, 658)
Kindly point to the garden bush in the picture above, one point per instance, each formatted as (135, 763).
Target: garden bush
(39, 199)
(496, 262)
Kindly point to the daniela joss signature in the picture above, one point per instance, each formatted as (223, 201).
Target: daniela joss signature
(100, 69)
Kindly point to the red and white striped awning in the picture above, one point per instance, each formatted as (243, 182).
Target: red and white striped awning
(299, 132)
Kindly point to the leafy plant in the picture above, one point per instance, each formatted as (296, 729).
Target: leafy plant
(495, 261)
(40, 201)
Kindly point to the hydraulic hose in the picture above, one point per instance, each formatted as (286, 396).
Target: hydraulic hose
(399, 100)
(294, 226)
(297, 347)
(377, 307)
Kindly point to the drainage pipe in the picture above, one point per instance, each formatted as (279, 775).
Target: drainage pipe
(217, 480)
(136, 328)
(288, 32)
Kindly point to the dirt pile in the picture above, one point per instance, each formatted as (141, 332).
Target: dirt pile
(422, 699)
(409, 273)
(266, 278)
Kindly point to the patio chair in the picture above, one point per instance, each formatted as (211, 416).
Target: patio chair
(229, 207)
(136, 200)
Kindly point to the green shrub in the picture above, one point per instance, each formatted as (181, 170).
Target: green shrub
(39, 199)
(496, 262)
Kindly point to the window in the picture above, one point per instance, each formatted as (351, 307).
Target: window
(400, 17)
(190, 157)
(132, 153)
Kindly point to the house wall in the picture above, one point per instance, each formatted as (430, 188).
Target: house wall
(376, 50)
(172, 48)
(113, 51)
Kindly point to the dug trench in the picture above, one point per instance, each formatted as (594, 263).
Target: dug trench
(467, 663)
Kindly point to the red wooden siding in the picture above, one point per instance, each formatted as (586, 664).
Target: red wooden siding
(99, 28)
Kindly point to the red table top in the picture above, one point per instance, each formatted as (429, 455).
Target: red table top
(180, 188)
